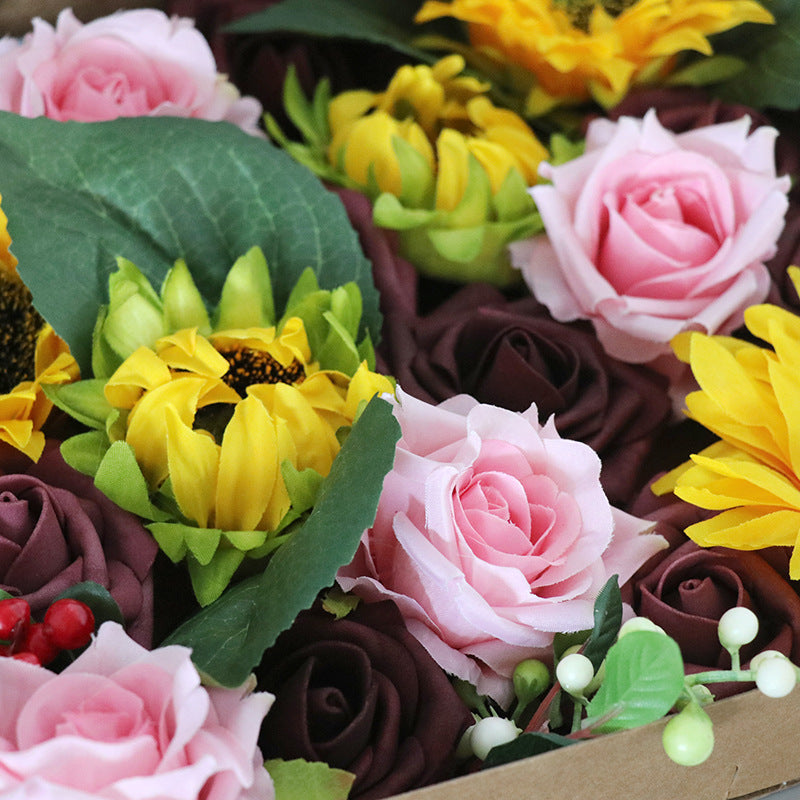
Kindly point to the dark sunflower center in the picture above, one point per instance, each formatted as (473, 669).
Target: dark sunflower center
(19, 325)
(255, 366)
(580, 11)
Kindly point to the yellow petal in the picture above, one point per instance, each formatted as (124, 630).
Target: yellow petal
(142, 371)
(186, 350)
(364, 385)
(248, 467)
(193, 459)
(748, 529)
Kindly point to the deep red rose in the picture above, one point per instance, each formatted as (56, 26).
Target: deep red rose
(361, 694)
(688, 588)
(57, 529)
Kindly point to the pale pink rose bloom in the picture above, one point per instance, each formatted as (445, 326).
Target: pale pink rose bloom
(123, 722)
(492, 534)
(651, 233)
(128, 64)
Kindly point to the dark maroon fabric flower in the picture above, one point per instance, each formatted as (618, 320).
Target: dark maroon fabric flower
(511, 353)
(57, 529)
(688, 588)
(361, 694)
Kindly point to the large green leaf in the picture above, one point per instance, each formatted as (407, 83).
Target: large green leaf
(384, 22)
(229, 637)
(154, 190)
(772, 53)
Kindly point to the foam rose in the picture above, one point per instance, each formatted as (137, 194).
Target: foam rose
(650, 233)
(123, 722)
(128, 64)
(492, 534)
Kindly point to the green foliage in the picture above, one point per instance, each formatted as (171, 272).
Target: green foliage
(99, 600)
(607, 621)
(229, 636)
(154, 190)
(524, 746)
(308, 780)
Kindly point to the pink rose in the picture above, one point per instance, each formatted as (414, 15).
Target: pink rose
(129, 64)
(123, 722)
(492, 534)
(650, 233)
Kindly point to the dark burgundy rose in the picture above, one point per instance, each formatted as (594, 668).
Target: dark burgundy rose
(511, 353)
(361, 694)
(688, 588)
(57, 529)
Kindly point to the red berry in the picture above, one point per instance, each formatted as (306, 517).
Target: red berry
(29, 658)
(15, 614)
(70, 623)
(37, 642)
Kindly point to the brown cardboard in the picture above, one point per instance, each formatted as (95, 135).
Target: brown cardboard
(756, 752)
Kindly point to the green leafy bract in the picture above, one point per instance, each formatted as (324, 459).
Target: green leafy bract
(643, 679)
(99, 600)
(154, 190)
(229, 637)
(308, 780)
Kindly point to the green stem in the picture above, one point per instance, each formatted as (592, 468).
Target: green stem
(720, 676)
(577, 712)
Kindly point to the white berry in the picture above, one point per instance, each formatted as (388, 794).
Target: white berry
(574, 672)
(638, 624)
(776, 677)
(737, 626)
(757, 660)
(490, 732)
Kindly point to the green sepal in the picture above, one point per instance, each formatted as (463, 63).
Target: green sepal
(338, 351)
(366, 352)
(512, 201)
(246, 299)
(308, 780)
(83, 400)
(84, 452)
(339, 603)
(183, 305)
(707, 71)
(563, 149)
(310, 118)
(121, 480)
(210, 580)
(417, 178)
(104, 360)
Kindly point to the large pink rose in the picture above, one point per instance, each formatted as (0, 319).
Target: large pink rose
(129, 64)
(121, 722)
(492, 534)
(650, 233)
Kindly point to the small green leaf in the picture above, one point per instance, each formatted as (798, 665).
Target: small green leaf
(644, 678)
(83, 400)
(607, 621)
(308, 780)
(339, 603)
(85, 451)
(246, 298)
(183, 304)
(524, 746)
(229, 636)
(99, 600)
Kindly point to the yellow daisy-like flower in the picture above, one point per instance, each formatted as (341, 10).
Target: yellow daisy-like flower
(445, 117)
(577, 49)
(750, 397)
(219, 416)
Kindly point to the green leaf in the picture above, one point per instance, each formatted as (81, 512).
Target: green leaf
(644, 677)
(524, 746)
(229, 637)
(99, 600)
(340, 603)
(85, 451)
(154, 190)
(83, 400)
(772, 55)
(607, 621)
(308, 780)
(384, 22)
(246, 299)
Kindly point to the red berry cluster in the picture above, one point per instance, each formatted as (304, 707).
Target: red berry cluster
(67, 624)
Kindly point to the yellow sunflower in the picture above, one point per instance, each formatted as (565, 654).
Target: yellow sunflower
(220, 415)
(750, 397)
(577, 49)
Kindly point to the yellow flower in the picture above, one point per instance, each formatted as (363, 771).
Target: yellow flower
(577, 49)
(750, 397)
(218, 416)
(7, 260)
(421, 106)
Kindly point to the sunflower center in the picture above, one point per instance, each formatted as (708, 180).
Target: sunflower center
(19, 325)
(248, 366)
(580, 11)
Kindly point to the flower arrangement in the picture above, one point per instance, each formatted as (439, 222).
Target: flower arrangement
(396, 392)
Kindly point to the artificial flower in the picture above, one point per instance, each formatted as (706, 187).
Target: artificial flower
(445, 167)
(512, 354)
(492, 534)
(7, 259)
(125, 722)
(133, 63)
(651, 233)
(59, 529)
(578, 50)
(748, 397)
(363, 695)
(687, 589)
